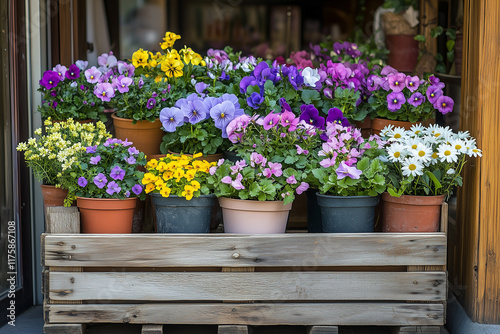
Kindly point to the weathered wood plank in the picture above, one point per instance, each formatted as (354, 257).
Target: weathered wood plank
(62, 220)
(64, 329)
(236, 286)
(416, 330)
(152, 329)
(218, 250)
(349, 314)
(232, 329)
(323, 330)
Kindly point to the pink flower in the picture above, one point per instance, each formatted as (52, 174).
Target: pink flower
(301, 151)
(328, 162)
(303, 187)
(291, 180)
(227, 180)
(212, 170)
(237, 182)
(257, 159)
(289, 119)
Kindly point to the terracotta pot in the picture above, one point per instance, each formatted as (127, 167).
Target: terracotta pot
(146, 136)
(365, 126)
(53, 196)
(208, 158)
(254, 217)
(106, 215)
(411, 213)
(379, 123)
(403, 52)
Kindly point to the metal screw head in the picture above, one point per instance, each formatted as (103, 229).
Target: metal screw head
(236, 255)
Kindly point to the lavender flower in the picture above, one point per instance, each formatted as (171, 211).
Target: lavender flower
(288, 119)
(236, 184)
(412, 83)
(433, 93)
(222, 114)
(100, 180)
(395, 100)
(291, 180)
(95, 160)
(131, 160)
(196, 111)
(61, 71)
(91, 149)
(113, 187)
(444, 104)
(117, 173)
(257, 159)
(133, 150)
(171, 118)
(345, 170)
(151, 103)
(104, 91)
(82, 182)
(270, 121)
(416, 99)
(137, 189)
(122, 83)
(82, 64)
(303, 187)
(396, 81)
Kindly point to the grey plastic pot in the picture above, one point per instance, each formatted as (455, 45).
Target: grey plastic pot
(347, 214)
(177, 215)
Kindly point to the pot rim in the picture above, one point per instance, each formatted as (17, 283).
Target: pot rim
(113, 115)
(345, 197)
(263, 204)
(414, 199)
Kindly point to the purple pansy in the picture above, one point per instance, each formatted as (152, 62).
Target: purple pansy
(171, 118)
(257, 159)
(122, 83)
(222, 114)
(395, 100)
(396, 81)
(236, 184)
(310, 115)
(416, 99)
(335, 115)
(133, 150)
(82, 64)
(433, 93)
(117, 173)
(131, 160)
(151, 103)
(113, 187)
(82, 182)
(91, 149)
(288, 119)
(104, 91)
(100, 180)
(137, 189)
(270, 121)
(73, 72)
(412, 83)
(196, 111)
(93, 75)
(255, 100)
(95, 160)
(50, 79)
(291, 180)
(61, 71)
(444, 104)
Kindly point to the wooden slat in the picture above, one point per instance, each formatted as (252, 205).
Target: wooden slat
(416, 330)
(349, 314)
(303, 250)
(323, 330)
(232, 329)
(152, 329)
(64, 329)
(307, 286)
(60, 219)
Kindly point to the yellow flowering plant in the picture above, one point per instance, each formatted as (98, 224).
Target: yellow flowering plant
(183, 176)
(56, 150)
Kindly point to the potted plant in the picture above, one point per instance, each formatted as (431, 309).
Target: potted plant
(55, 152)
(181, 196)
(106, 183)
(400, 99)
(69, 93)
(198, 124)
(159, 80)
(349, 176)
(424, 164)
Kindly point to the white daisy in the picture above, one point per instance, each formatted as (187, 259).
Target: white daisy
(450, 171)
(459, 145)
(447, 153)
(396, 152)
(423, 153)
(413, 143)
(434, 158)
(463, 134)
(417, 129)
(387, 130)
(474, 152)
(412, 167)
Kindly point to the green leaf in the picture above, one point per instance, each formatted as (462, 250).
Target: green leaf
(420, 38)
(436, 31)
(290, 159)
(450, 55)
(363, 164)
(308, 96)
(450, 45)
(434, 179)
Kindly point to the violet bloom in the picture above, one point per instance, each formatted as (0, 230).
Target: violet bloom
(310, 115)
(140, 83)
(50, 79)
(328, 93)
(345, 170)
(73, 72)
(222, 114)
(133, 150)
(226, 179)
(236, 184)
(130, 160)
(82, 182)
(388, 70)
(434, 81)
(137, 189)
(100, 180)
(255, 100)
(61, 71)
(200, 87)
(373, 82)
(328, 162)
(301, 151)
(289, 119)
(303, 187)
(270, 121)
(395, 100)
(91, 149)
(104, 91)
(95, 160)
(291, 180)
(416, 99)
(122, 83)
(171, 118)
(444, 104)
(433, 93)
(247, 81)
(82, 64)
(196, 111)
(396, 81)
(93, 75)
(257, 159)
(335, 115)
(412, 83)
(151, 103)
(274, 169)
(113, 187)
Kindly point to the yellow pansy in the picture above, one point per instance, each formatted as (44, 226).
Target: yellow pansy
(178, 174)
(168, 175)
(140, 58)
(149, 188)
(159, 184)
(197, 155)
(190, 174)
(152, 164)
(148, 178)
(195, 184)
(165, 191)
(162, 166)
(169, 40)
(172, 68)
(188, 192)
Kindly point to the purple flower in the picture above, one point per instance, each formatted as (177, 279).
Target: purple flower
(95, 160)
(237, 182)
(151, 103)
(117, 173)
(257, 159)
(137, 189)
(346, 170)
(226, 179)
(133, 150)
(255, 100)
(433, 93)
(247, 81)
(291, 180)
(104, 91)
(196, 111)
(434, 81)
(171, 118)
(140, 83)
(93, 75)
(122, 83)
(289, 119)
(328, 162)
(61, 71)
(200, 87)
(303, 187)
(396, 81)
(91, 149)
(274, 169)
(412, 83)
(416, 99)
(100, 180)
(50, 79)
(311, 116)
(270, 121)
(222, 114)
(395, 100)
(82, 64)
(130, 160)
(113, 187)
(73, 72)
(301, 151)
(444, 104)
(373, 82)
(82, 182)
(335, 115)
(388, 70)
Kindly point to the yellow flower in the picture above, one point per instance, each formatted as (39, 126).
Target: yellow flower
(148, 178)
(169, 40)
(159, 184)
(162, 166)
(168, 175)
(152, 164)
(149, 188)
(178, 174)
(140, 58)
(195, 184)
(188, 192)
(197, 155)
(190, 174)
(165, 191)
(172, 68)
(172, 165)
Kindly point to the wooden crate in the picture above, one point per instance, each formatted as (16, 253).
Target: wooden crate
(232, 280)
